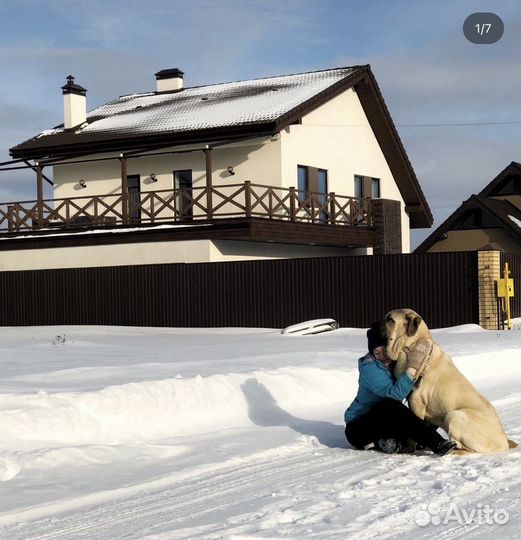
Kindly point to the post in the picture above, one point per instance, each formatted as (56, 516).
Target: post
(508, 294)
(386, 220)
(247, 198)
(505, 291)
(39, 194)
(489, 268)
(208, 159)
(10, 218)
(124, 188)
(292, 210)
(332, 208)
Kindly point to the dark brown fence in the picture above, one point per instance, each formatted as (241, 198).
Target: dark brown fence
(514, 264)
(442, 287)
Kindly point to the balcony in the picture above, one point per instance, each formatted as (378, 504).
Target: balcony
(270, 214)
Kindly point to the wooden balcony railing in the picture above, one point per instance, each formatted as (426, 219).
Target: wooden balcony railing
(186, 205)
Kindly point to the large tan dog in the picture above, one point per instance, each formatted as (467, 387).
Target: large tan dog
(444, 396)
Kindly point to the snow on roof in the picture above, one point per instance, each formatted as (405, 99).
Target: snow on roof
(206, 107)
(516, 221)
(101, 231)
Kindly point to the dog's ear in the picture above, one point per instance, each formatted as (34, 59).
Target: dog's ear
(413, 322)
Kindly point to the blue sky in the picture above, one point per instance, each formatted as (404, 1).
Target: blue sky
(427, 71)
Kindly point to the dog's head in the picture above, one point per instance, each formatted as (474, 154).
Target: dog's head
(403, 328)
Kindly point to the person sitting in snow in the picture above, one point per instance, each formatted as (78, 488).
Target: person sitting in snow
(377, 418)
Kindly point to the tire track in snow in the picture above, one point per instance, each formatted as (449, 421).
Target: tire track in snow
(234, 486)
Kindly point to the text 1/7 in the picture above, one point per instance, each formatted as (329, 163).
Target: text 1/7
(481, 28)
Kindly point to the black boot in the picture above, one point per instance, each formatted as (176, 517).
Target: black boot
(445, 447)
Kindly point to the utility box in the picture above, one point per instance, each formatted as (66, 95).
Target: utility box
(505, 288)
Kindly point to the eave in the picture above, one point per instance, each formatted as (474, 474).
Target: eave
(246, 229)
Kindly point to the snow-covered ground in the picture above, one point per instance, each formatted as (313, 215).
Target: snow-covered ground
(161, 434)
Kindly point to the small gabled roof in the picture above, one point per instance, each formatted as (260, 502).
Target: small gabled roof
(512, 168)
(229, 111)
(507, 214)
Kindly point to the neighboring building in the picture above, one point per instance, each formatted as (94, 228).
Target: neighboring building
(292, 166)
(490, 220)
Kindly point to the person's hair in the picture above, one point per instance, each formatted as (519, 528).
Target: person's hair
(376, 336)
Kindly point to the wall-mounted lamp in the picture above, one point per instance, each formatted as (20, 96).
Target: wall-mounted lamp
(230, 170)
(153, 177)
(82, 184)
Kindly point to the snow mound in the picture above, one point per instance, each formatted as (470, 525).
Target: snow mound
(155, 410)
(461, 329)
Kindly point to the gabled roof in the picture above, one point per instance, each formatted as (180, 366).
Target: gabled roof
(513, 168)
(507, 214)
(228, 111)
(191, 111)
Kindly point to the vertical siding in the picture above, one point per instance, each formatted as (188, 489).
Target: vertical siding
(442, 287)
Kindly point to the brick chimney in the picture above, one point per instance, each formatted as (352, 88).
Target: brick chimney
(169, 80)
(74, 104)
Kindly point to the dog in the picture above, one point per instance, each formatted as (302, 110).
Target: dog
(443, 395)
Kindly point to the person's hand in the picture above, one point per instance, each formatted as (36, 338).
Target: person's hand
(417, 353)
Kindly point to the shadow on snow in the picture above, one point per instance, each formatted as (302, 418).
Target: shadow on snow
(263, 410)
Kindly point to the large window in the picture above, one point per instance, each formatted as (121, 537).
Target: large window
(312, 180)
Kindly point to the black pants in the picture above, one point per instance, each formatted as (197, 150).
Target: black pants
(391, 419)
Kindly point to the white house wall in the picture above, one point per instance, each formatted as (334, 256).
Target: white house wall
(191, 251)
(337, 137)
(257, 160)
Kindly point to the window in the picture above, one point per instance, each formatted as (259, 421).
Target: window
(359, 186)
(322, 190)
(183, 183)
(375, 188)
(302, 182)
(322, 181)
(312, 180)
(366, 186)
(134, 196)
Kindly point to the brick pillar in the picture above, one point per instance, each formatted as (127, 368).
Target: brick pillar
(387, 221)
(489, 264)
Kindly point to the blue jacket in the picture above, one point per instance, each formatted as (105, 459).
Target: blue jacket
(375, 383)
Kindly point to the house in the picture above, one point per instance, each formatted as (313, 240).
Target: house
(300, 165)
(490, 220)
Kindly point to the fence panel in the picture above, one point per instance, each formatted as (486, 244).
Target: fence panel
(442, 287)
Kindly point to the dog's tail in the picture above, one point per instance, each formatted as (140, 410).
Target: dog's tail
(512, 444)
